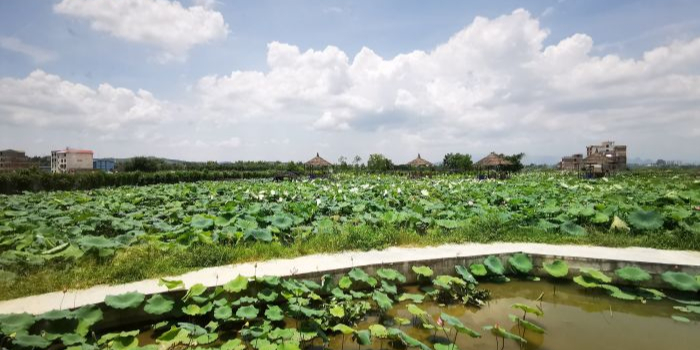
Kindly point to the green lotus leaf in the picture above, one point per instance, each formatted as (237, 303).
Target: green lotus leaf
(423, 271)
(573, 229)
(258, 234)
(235, 344)
(680, 319)
(56, 315)
(267, 295)
(201, 222)
(500, 332)
(378, 331)
(337, 311)
(600, 218)
(450, 346)
(158, 305)
(274, 313)
(206, 338)
(646, 220)
(247, 312)
(358, 275)
(192, 310)
(526, 324)
(283, 222)
(521, 263)
(616, 292)
(595, 274)
(362, 337)
(681, 281)
(557, 268)
(406, 339)
(192, 329)
(87, 316)
(415, 310)
(345, 282)
(478, 270)
(446, 281)
(466, 275)
(382, 300)
(171, 284)
(416, 298)
(619, 225)
(237, 284)
(343, 329)
(31, 341)
(583, 282)
(15, 323)
(388, 288)
(494, 265)
(223, 312)
(72, 339)
(458, 325)
(528, 309)
(195, 291)
(125, 301)
(288, 346)
(96, 242)
(391, 275)
(633, 274)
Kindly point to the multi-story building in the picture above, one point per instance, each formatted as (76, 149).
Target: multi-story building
(71, 160)
(104, 164)
(600, 159)
(11, 160)
(572, 163)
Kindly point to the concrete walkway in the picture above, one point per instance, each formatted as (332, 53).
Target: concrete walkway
(314, 263)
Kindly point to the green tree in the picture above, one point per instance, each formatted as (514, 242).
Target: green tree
(516, 160)
(378, 162)
(457, 161)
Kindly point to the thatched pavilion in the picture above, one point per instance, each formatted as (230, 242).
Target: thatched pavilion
(492, 162)
(319, 164)
(419, 162)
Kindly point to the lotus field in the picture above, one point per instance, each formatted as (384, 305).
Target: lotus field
(39, 229)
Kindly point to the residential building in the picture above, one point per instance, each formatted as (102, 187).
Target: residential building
(11, 160)
(600, 159)
(572, 163)
(71, 160)
(104, 164)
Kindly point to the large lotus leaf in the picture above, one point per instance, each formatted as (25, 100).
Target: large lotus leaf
(415, 310)
(337, 311)
(267, 295)
(446, 281)
(274, 313)
(616, 292)
(195, 291)
(378, 331)
(15, 322)
(362, 337)
(600, 218)
(416, 298)
(423, 271)
(56, 315)
(500, 332)
(31, 341)
(458, 325)
(158, 305)
(680, 319)
(466, 275)
(391, 275)
(619, 225)
(72, 339)
(125, 301)
(223, 312)
(573, 229)
(97, 242)
(345, 282)
(526, 324)
(681, 281)
(382, 300)
(258, 234)
(633, 274)
(201, 222)
(595, 274)
(171, 284)
(235, 344)
(521, 263)
(556, 269)
(646, 220)
(343, 329)
(583, 282)
(389, 288)
(494, 265)
(283, 222)
(247, 312)
(406, 339)
(528, 309)
(236, 285)
(87, 316)
(440, 346)
(478, 270)
(358, 275)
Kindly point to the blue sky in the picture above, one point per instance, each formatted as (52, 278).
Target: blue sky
(343, 109)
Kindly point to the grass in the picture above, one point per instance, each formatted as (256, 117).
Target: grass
(145, 261)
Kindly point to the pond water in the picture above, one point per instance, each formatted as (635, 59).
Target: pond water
(574, 318)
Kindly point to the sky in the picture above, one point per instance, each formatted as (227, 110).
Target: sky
(282, 80)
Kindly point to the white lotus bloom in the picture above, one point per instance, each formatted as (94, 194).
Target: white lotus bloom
(365, 186)
(424, 192)
(272, 193)
(286, 193)
(279, 199)
(398, 190)
(386, 193)
(354, 190)
(318, 201)
(470, 203)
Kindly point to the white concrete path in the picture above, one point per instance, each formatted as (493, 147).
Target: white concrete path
(311, 263)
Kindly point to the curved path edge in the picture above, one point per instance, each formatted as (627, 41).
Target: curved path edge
(214, 276)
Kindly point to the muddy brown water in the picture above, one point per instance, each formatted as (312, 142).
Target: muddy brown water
(574, 319)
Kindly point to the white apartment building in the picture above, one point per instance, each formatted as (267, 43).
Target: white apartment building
(71, 160)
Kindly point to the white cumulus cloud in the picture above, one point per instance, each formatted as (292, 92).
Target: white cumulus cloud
(165, 24)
